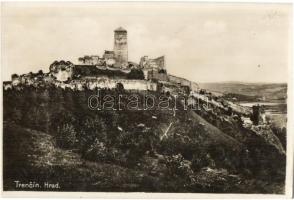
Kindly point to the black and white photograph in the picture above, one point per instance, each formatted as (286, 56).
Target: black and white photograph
(147, 97)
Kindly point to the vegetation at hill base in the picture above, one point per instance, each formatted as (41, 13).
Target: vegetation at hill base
(50, 134)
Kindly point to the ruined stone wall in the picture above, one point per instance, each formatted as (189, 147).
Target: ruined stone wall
(160, 62)
(145, 72)
(91, 60)
(178, 80)
(114, 69)
(128, 84)
(149, 63)
(154, 75)
(183, 82)
(194, 86)
(108, 54)
(92, 83)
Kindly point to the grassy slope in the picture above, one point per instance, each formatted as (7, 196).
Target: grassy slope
(32, 155)
(41, 160)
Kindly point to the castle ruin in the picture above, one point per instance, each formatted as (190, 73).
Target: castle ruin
(112, 65)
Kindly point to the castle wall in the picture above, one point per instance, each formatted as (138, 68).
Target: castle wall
(154, 75)
(128, 84)
(160, 62)
(178, 80)
(194, 86)
(103, 82)
(91, 60)
(183, 82)
(145, 72)
(149, 63)
(114, 69)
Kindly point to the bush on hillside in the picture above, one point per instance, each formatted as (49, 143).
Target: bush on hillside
(136, 74)
(66, 136)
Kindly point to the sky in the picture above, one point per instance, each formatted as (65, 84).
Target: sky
(203, 42)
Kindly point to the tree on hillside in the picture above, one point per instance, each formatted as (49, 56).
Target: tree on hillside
(66, 135)
(119, 87)
(13, 76)
(40, 72)
(162, 71)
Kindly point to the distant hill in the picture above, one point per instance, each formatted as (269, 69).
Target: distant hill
(271, 91)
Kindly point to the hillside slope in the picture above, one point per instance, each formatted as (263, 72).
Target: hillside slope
(53, 136)
(274, 91)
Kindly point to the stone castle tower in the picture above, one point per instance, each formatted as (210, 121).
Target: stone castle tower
(120, 47)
